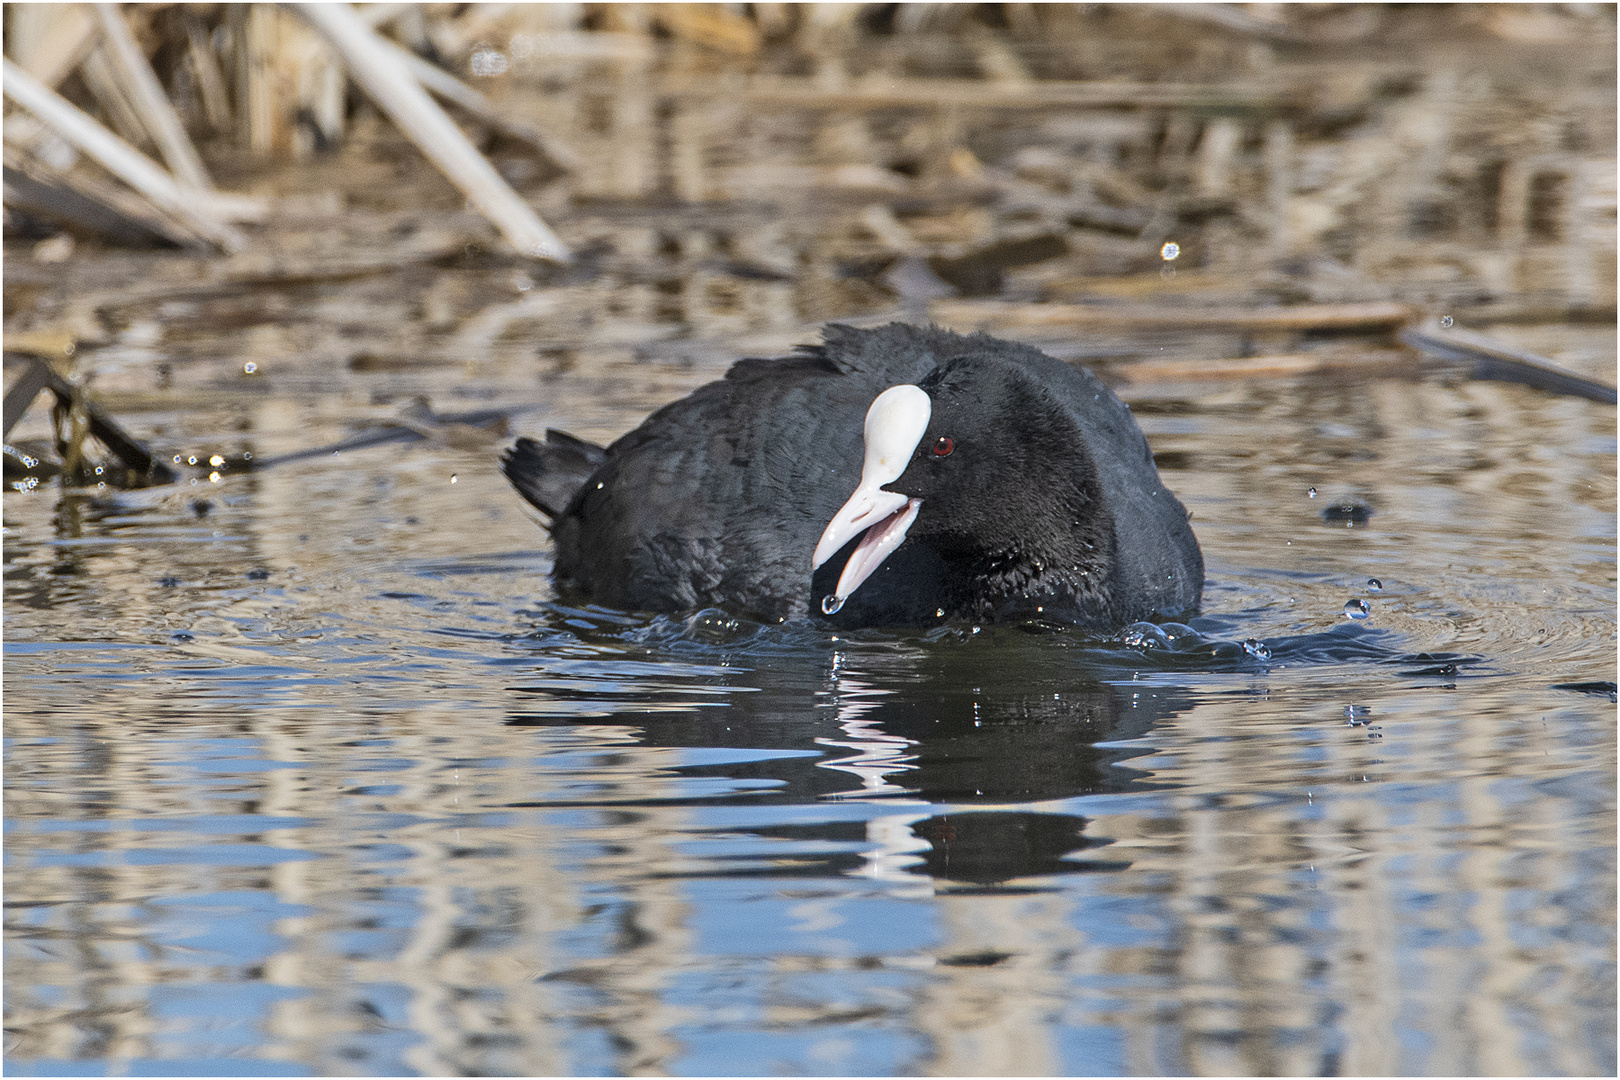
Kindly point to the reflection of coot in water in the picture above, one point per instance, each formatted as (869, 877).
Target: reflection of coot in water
(1004, 727)
(990, 847)
(963, 725)
(990, 482)
(982, 728)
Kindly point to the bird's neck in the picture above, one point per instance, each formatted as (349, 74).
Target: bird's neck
(1061, 562)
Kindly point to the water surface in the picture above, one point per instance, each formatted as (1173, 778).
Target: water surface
(307, 771)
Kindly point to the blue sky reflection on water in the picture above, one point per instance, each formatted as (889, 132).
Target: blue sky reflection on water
(388, 809)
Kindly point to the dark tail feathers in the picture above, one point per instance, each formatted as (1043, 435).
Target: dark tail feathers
(549, 474)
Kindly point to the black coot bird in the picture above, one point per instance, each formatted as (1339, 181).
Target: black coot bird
(900, 476)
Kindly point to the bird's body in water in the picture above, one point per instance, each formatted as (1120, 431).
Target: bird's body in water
(900, 476)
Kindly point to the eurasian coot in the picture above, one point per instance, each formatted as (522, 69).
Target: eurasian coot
(899, 476)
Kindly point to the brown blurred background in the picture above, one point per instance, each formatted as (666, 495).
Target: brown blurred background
(716, 178)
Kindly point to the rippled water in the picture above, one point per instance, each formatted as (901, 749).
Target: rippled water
(306, 772)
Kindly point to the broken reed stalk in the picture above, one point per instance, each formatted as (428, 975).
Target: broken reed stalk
(105, 86)
(258, 96)
(20, 395)
(885, 92)
(210, 79)
(50, 39)
(1283, 366)
(84, 417)
(377, 16)
(389, 82)
(86, 201)
(119, 158)
(156, 113)
(1368, 316)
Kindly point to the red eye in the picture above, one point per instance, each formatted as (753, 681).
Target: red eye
(943, 446)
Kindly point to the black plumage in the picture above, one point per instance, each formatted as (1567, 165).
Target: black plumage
(1047, 506)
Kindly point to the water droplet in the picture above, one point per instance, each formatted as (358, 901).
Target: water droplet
(1357, 609)
(246, 456)
(1374, 584)
(1257, 649)
(250, 367)
(1169, 251)
(453, 478)
(940, 614)
(177, 459)
(98, 470)
(192, 460)
(213, 478)
(1144, 635)
(1310, 492)
(1446, 321)
(216, 461)
(487, 63)
(830, 604)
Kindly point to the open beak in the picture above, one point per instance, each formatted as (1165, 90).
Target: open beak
(894, 426)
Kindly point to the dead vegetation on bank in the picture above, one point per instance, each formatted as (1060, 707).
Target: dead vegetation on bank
(1272, 174)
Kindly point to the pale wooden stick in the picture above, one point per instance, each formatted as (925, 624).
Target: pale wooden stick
(49, 40)
(210, 80)
(1252, 367)
(119, 158)
(377, 16)
(101, 78)
(156, 113)
(889, 92)
(261, 104)
(1374, 315)
(387, 79)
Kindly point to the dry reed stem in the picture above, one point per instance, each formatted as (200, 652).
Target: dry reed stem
(89, 201)
(118, 157)
(101, 78)
(376, 66)
(50, 40)
(886, 92)
(151, 104)
(1369, 316)
(210, 79)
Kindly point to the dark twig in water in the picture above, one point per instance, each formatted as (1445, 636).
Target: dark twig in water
(41, 376)
(417, 424)
(1498, 362)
